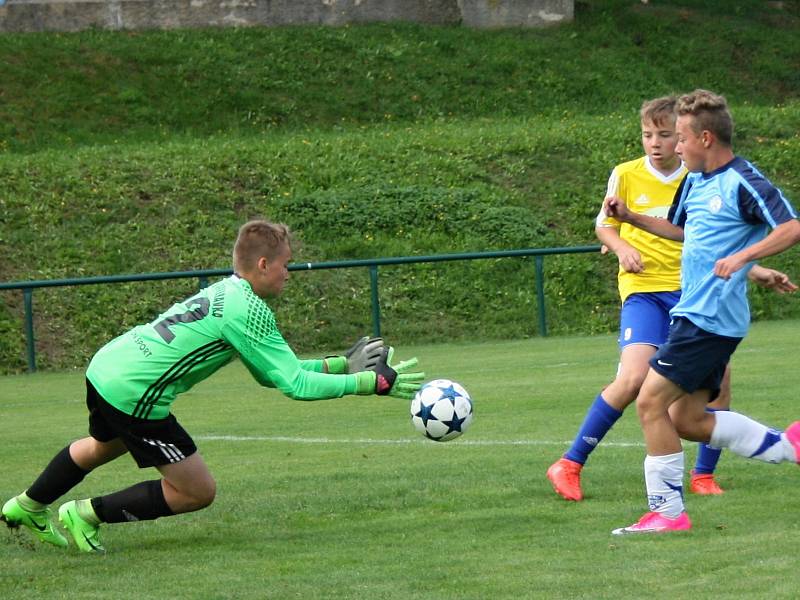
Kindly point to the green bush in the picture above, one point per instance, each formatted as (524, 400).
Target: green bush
(369, 141)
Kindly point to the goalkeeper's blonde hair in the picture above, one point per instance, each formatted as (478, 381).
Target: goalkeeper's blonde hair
(259, 238)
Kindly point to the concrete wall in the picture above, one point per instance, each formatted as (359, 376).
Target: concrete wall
(75, 15)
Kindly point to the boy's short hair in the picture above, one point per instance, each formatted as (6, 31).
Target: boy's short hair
(259, 238)
(659, 111)
(710, 112)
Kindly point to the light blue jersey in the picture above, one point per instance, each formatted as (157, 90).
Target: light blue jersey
(722, 212)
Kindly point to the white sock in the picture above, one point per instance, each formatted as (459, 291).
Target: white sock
(750, 439)
(664, 478)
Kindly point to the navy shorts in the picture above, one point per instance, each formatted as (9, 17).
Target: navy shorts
(151, 442)
(692, 358)
(644, 318)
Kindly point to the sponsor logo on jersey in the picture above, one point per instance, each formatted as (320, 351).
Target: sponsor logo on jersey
(143, 347)
(659, 212)
(642, 200)
(715, 204)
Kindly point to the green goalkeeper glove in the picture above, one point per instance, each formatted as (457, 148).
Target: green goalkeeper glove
(361, 356)
(384, 379)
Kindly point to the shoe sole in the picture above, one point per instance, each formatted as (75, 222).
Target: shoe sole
(707, 492)
(626, 531)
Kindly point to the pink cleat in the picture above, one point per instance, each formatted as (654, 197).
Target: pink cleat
(654, 522)
(793, 435)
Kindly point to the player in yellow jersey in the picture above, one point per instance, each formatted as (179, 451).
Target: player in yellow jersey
(649, 286)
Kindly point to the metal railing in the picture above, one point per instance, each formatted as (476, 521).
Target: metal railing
(372, 264)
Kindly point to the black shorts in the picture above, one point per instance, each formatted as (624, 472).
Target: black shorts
(150, 442)
(692, 358)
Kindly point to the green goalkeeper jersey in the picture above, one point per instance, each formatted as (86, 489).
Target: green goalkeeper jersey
(142, 371)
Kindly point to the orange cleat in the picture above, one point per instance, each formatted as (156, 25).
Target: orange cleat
(703, 484)
(565, 475)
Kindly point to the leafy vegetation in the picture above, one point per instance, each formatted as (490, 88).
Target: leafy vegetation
(126, 152)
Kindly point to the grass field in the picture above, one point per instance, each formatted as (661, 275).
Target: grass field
(342, 499)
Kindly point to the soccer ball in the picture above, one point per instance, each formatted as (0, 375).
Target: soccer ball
(441, 410)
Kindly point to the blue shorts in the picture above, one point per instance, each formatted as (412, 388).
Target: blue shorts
(644, 318)
(692, 358)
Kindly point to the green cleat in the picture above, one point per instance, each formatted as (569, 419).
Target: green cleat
(39, 522)
(86, 535)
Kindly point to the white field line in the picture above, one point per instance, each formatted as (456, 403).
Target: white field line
(421, 440)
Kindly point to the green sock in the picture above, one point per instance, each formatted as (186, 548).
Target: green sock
(29, 504)
(86, 512)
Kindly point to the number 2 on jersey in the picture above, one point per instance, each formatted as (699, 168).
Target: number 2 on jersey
(191, 315)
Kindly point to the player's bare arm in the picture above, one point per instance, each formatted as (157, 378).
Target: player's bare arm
(779, 239)
(615, 208)
(771, 279)
(629, 258)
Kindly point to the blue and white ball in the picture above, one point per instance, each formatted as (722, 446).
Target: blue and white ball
(441, 410)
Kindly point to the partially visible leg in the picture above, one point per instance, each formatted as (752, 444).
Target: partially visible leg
(187, 486)
(644, 325)
(161, 443)
(737, 432)
(724, 429)
(89, 453)
(702, 480)
(664, 463)
(751, 439)
(604, 412)
(66, 470)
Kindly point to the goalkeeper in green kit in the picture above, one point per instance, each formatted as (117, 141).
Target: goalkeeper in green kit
(133, 380)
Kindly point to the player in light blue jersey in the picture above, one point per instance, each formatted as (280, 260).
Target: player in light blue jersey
(649, 286)
(723, 213)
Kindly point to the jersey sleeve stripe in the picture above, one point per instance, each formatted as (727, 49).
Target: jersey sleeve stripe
(677, 215)
(602, 220)
(773, 204)
(612, 189)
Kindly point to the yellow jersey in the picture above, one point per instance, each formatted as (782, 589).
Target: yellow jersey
(645, 190)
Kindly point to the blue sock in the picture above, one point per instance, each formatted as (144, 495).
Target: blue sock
(707, 457)
(599, 419)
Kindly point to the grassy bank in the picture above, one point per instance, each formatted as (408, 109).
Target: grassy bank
(136, 152)
(66, 90)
